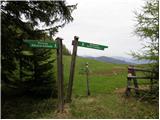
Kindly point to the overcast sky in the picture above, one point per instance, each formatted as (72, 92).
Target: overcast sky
(105, 22)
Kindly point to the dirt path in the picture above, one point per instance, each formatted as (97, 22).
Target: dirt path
(114, 71)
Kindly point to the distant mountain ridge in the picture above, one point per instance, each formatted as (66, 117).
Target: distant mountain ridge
(131, 60)
(116, 60)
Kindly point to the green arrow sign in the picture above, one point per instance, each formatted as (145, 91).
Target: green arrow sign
(41, 44)
(91, 45)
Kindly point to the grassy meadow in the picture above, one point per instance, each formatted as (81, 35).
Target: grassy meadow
(107, 99)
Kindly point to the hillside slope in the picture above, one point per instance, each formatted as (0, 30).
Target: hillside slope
(104, 77)
(118, 60)
(107, 83)
(107, 86)
(110, 60)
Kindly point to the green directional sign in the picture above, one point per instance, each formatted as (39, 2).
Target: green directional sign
(91, 45)
(41, 44)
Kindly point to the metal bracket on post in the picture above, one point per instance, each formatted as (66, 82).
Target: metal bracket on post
(72, 69)
(60, 75)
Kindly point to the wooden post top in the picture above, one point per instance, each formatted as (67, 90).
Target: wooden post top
(131, 69)
(75, 40)
(59, 38)
(76, 37)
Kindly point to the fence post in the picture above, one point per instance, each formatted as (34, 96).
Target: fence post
(72, 69)
(60, 75)
(87, 75)
(135, 81)
(128, 89)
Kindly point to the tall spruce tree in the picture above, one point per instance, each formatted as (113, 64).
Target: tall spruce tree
(22, 20)
(43, 82)
(36, 71)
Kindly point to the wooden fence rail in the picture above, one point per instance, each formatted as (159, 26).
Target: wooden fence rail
(132, 76)
(142, 77)
(143, 70)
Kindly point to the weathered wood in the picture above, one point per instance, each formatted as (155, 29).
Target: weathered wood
(60, 76)
(72, 69)
(136, 86)
(140, 77)
(132, 72)
(143, 70)
(87, 75)
(128, 89)
(132, 76)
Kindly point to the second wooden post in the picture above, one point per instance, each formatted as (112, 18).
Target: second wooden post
(60, 76)
(87, 75)
(72, 69)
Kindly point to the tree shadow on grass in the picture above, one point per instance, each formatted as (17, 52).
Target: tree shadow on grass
(26, 107)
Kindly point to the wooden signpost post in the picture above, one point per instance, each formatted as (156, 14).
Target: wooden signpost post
(87, 75)
(58, 45)
(85, 70)
(60, 75)
(76, 43)
(71, 76)
(53, 45)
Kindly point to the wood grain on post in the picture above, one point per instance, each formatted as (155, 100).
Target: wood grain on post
(128, 89)
(135, 81)
(87, 75)
(72, 69)
(132, 75)
(60, 75)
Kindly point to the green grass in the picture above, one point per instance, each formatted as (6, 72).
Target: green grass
(27, 108)
(107, 100)
(111, 106)
(113, 76)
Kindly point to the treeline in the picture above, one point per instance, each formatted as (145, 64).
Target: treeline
(147, 28)
(24, 69)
